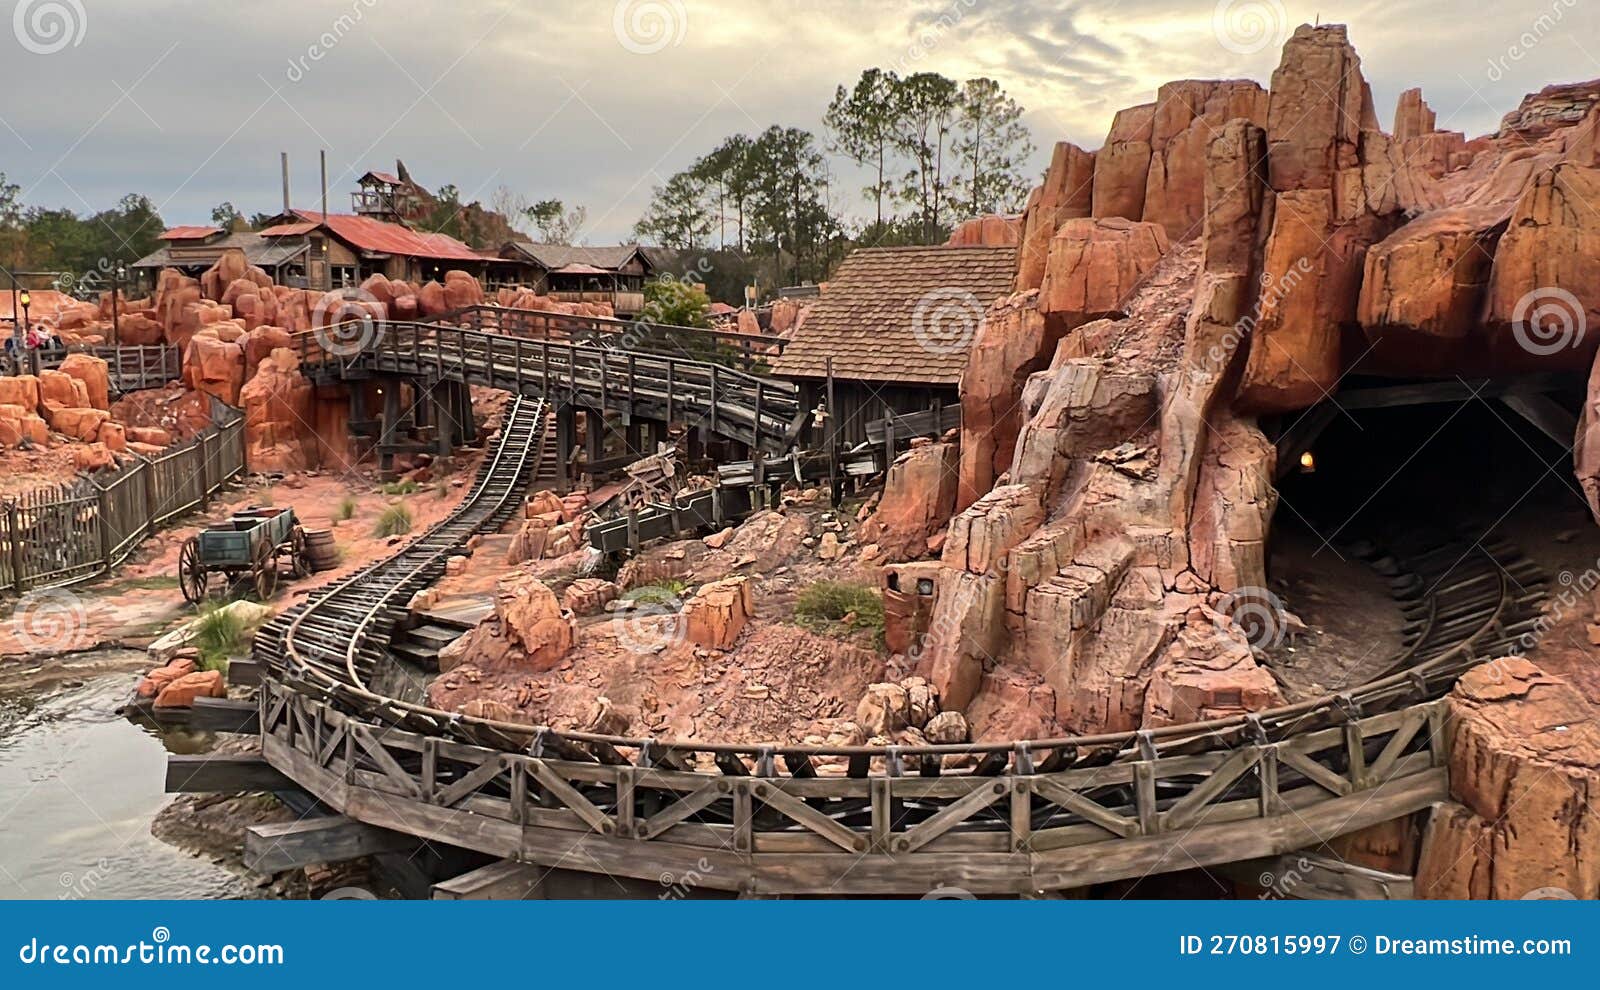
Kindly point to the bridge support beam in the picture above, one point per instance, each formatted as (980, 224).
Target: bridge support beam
(566, 442)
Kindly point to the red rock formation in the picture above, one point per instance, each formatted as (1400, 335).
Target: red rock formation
(214, 366)
(278, 416)
(992, 230)
(95, 376)
(1012, 343)
(1066, 194)
(1188, 115)
(718, 613)
(1094, 268)
(528, 631)
(1525, 767)
(1122, 167)
(919, 496)
(1412, 116)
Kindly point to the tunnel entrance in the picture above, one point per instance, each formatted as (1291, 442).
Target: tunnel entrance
(1469, 477)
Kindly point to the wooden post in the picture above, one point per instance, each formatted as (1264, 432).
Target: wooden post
(205, 468)
(19, 581)
(713, 398)
(831, 434)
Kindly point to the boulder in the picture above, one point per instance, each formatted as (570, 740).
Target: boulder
(18, 423)
(215, 366)
(92, 457)
(461, 289)
(154, 436)
(95, 375)
(182, 691)
(992, 230)
(78, 423)
(278, 413)
(884, 709)
(1525, 769)
(919, 496)
(589, 596)
(258, 343)
(1206, 672)
(1094, 268)
(947, 728)
(531, 619)
(20, 390)
(59, 390)
(718, 613)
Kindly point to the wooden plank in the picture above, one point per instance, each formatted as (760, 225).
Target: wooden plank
(203, 773)
(281, 846)
(502, 880)
(224, 715)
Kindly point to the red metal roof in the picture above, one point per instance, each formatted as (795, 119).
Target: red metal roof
(368, 234)
(188, 233)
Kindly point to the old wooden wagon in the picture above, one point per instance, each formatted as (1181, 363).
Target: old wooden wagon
(253, 542)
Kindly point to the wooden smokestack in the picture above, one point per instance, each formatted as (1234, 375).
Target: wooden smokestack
(284, 159)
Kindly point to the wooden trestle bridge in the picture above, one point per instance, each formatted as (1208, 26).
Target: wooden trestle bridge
(1015, 818)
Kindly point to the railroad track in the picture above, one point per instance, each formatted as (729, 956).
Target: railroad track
(334, 643)
(1006, 817)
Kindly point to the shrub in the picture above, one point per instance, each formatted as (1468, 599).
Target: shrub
(406, 487)
(396, 519)
(825, 605)
(218, 635)
(347, 508)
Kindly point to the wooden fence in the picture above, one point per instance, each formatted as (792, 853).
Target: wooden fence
(128, 368)
(65, 534)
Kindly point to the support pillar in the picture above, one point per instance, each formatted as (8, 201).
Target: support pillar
(566, 442)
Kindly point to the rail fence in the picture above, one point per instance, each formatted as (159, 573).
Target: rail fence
(129, 367)
(69, 533)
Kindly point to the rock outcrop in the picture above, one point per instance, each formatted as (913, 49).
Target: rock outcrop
(1525, 769)
(919, 496)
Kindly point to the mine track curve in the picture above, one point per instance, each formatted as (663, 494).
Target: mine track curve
(1013, 818)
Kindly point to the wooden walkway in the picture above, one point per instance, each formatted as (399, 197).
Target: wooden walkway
(761, 412)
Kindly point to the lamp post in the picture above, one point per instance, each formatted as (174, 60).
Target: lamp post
(33, 354)
(117, 275)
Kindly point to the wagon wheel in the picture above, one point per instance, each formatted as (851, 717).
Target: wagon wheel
(191, 573)
(264, 568)
(300, 550)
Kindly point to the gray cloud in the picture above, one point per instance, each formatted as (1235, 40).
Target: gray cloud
(191, 102)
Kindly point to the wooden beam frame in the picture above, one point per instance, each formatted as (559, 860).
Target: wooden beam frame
(282, 846)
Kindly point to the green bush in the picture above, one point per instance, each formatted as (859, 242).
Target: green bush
(406, 487)
(396, 519)
(825, 606)
(218, 635)
(347, 508)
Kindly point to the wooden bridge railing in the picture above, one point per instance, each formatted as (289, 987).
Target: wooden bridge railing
(759, 411)
(830, 827)
(56, 536)
(748, 352)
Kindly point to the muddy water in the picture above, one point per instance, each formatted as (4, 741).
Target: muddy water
(79, 785)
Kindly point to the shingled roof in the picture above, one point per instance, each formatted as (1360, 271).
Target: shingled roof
(553, 256)
(902, 314)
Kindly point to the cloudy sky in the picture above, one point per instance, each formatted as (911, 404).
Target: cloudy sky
(595, 101)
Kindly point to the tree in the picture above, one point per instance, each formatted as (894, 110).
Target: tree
(509, 204)
(224, 214)
(727, 167)
(445, 216)
(926, 111)
(678, 216)
(992, 144)
(556, 223)
(676, 302)
(862, 123)
(787, 177)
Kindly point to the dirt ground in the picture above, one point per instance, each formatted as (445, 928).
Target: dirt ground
(141, 600)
